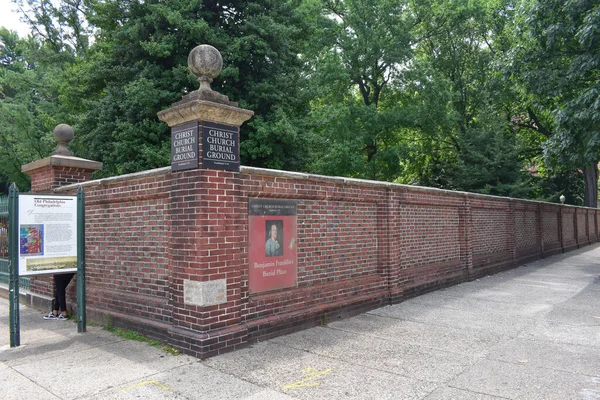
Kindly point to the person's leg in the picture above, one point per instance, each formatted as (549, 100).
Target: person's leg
(53, 314)
(55, 299)
(61, 282)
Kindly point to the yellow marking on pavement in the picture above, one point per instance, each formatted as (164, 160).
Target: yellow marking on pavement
(309, 375)
(146, 383)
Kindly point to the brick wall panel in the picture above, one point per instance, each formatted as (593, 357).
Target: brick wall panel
(526, 229)
(568, 226)
(491, 231)
(430, 242)
(550, 227)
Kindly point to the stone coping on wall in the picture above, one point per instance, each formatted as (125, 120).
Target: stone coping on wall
(309, 177)
(63, 161)
(115, 179)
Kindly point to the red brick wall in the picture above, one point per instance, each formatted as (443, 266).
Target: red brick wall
(569, 240)
(592, 228)
(527, 231)
(493, 233)
(551, 229)
(127, 233)
(360, 245)
(581, 223)
(427, 240)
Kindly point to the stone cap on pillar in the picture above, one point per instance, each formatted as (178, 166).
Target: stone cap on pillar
(62, 156)
(62, 167)
(205, 104)
(62, 161)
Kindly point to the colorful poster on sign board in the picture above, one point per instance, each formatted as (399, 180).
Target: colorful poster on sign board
(47, 234)
(272, 244)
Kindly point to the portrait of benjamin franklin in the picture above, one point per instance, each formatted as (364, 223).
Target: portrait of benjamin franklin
(274, 243)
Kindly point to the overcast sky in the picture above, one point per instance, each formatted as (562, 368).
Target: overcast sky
(10, 19)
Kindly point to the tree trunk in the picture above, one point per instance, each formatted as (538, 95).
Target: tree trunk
(590, 176)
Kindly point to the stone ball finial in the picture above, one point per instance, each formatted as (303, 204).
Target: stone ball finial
(206, 63)
(63, 134)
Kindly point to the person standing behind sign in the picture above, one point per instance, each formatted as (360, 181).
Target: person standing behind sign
(59, 302)
(273, 248)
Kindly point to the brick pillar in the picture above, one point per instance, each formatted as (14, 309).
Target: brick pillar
(560, 229)
(385, 222)
(576, 226)
(595, 226)
(539, 216)
(61, 168)
(465, 230)
(207, 225)
(512, 233)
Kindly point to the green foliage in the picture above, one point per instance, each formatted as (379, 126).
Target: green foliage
(549, 186)
(460, 105)
(28, 96)
(467, 95)
(137, 67)
(557, 62)
(357, 141)
(363, 46)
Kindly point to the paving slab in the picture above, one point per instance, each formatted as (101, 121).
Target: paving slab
(543, 354)
(445, 299)
(521, 381)
(305, 375)
(556, 332)
(15, 386)
(449, 393)
(572, 314)
(191, 381)
(490, 321)
(51, 344)
(413, 361)
(455, 340)
(99, 367)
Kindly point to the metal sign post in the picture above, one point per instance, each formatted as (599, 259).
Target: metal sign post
(13, 255)
(81, 301)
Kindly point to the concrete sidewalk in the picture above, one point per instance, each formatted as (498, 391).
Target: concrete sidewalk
(529, 333)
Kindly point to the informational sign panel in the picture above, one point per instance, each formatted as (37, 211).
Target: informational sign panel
(220, 146)
(272, 244)
(47, 234)
(184, 147)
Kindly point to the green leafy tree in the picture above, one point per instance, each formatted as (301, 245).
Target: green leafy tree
(557, 62)
(60, 25)
(137, 66)
(457, 97)
(364, 47)
(28, 96)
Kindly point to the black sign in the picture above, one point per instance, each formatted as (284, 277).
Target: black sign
(220, 146)
(268, 207)
(184, 147)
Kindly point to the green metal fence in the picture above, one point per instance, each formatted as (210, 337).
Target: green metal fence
(23, 282)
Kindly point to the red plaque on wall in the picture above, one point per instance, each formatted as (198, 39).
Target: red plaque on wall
(272, 244)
